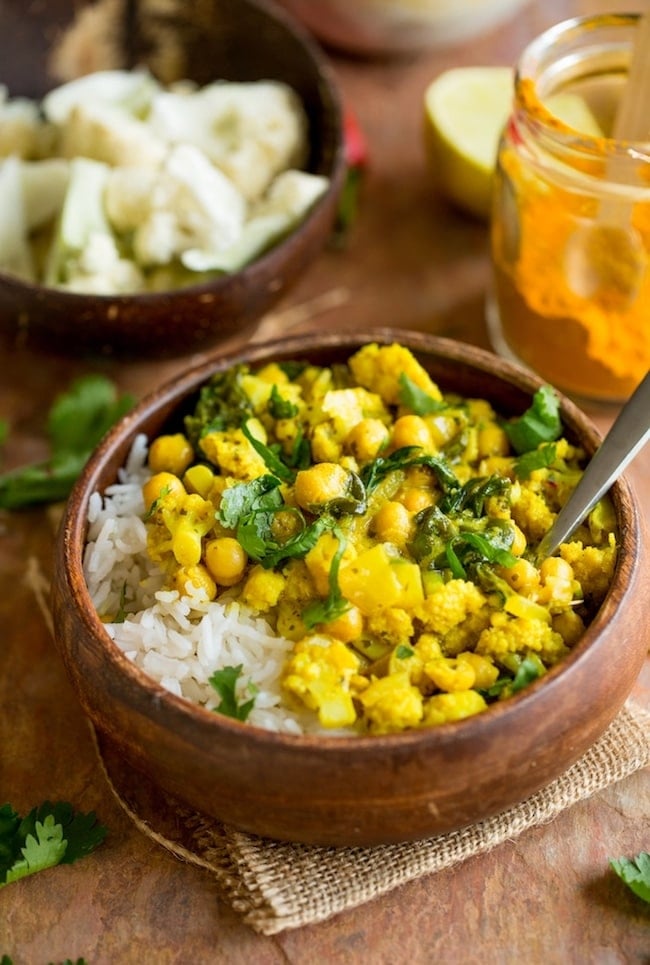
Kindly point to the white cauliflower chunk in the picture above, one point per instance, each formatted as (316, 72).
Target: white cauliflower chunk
(130, 91)
(251, 131)
(22, 132)
(15, 254)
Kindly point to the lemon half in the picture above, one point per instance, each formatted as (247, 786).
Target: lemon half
(465, 110)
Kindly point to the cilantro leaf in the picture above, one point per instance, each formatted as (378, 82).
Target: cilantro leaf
(403, 652)
(49, 835)
(539, 423)
(335, 604)
(416, 399)
(272, 460)
(76, 422)
(245, 498)
(527, 671)
(224, 682)
(539, 458)
(635, 873)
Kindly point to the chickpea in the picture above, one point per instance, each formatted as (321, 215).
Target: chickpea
(200, 579)
(415, 500)
(186, 544)
(522, 577)
(226, 560)
(569, 625)
(492, 441)
(392, 523)
(555, 568)
(163, 483)
(347, 627)
(519, 543)
(366, 439)
(411, 430)
(172, 453)
(199, 479)
(320, 484)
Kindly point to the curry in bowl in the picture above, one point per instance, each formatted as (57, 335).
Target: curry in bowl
(347, 549)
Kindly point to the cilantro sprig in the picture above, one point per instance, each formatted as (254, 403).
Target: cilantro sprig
(224, 682)
(51, 834)
(75, 423)
(539, 423)
(635, 873)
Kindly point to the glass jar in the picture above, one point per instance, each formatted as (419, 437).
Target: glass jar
(571, 219)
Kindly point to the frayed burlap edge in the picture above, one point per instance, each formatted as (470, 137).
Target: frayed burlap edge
(276, 886)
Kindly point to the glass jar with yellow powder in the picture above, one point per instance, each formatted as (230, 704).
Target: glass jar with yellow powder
(571, 216)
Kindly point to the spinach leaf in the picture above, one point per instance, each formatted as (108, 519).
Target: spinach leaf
(280, 408)
(416, 399)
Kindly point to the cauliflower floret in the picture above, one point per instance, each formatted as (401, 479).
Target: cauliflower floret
(449, 605)
(319, 674)
(251, 131)
(379, 367)
(593, 567)
(442, 708)
(391, 704)
(22, 132)
(108, 134)
(100, 269)
(233, 453)
(520, 635)
(262, 589)
(347, 407)
(531, 513)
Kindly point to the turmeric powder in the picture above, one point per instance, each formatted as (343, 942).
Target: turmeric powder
(592, 343)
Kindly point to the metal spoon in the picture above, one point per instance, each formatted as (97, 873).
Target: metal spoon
(627, 436)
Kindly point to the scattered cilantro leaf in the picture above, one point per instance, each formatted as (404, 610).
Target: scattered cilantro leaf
(49, 835)
(403, 652)
(539, 458)
(224, 682)
(335, 604)
(298, 546)
(635, 873)
(75, 424)
(273, 461)
(539, 423)
(244, 498)
(280, 408)
(416, 399)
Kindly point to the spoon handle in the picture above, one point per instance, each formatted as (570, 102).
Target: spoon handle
(627, 436)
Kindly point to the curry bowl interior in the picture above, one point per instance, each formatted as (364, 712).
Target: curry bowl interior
(358, 790)
(234, 40)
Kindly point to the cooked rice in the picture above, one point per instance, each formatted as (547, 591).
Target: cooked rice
(179, 641)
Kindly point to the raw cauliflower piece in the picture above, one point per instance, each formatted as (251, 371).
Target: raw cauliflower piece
(15, 254)
(520, 635)
(391, 704)
(319, 674)
(127, 90)
(22, 131)
(379, 367)
(108, 134)
(449, 605)
(251, 131)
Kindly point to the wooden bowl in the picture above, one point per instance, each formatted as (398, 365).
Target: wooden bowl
(362, 790)
(237, 40)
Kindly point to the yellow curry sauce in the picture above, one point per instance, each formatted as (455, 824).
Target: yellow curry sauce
(387, 529)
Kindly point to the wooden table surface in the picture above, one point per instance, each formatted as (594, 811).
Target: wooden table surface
(549, 896)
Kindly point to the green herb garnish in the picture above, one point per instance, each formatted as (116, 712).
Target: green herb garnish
(280, 408)
(270, 456)
(540, 423)
(403, 652)
(225, 683)
(76, 422)
(635, 873)
(406, 458)
(49, 835)
(467, 549)
(335, 604)
(416, 399)
(540, 458)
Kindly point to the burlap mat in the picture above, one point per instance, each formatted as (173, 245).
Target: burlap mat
(275, 886)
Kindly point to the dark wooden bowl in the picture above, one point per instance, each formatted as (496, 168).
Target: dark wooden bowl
(363, 790)
(237, 40)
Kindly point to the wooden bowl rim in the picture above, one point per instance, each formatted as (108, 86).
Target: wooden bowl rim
(73, 529)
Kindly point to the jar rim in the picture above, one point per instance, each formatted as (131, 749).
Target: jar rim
(532, 69)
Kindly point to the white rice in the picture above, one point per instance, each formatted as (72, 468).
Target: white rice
(178, 641)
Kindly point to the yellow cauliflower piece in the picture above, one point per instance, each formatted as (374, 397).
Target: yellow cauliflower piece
(521, 635)
(449, 605)
(443, 708)
(391, 704)
(393, 626)
(347, 407)
(233, 453)
(451, 673)
(319, 674)
(262, 589)
(465, 634)
(593, 567)
(530, 512)
(379, 367)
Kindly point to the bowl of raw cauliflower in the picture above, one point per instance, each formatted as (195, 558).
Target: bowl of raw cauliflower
(163, 205)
